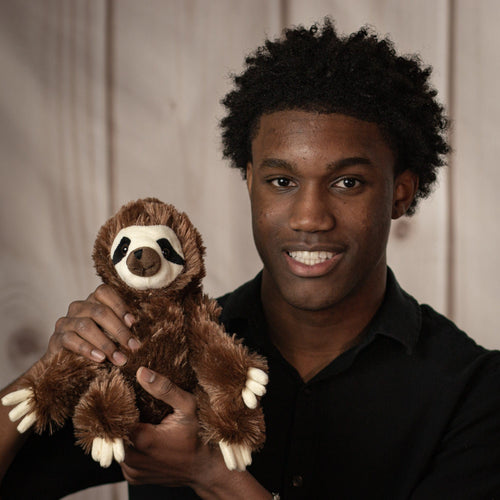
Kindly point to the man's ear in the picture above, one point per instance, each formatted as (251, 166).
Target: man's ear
(405, 189)
(249, 177)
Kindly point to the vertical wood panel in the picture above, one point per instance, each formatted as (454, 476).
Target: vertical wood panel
(171, 68)
(53, 163)
(53, 170)
(475, 175)
(418, 246)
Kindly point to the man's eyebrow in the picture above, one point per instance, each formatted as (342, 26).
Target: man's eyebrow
(276, 163)
(348, 162)
(334, 165)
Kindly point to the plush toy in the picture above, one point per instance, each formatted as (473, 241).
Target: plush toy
(153, 256)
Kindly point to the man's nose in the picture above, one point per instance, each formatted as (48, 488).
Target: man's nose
(311, 211)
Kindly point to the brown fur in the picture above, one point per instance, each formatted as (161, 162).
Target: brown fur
(181, 339)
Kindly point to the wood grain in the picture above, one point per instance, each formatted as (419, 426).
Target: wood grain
(475, 175)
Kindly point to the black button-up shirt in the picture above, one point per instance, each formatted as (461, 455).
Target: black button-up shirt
(412, 411)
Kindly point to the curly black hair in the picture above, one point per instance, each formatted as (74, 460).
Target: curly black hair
(359, 75)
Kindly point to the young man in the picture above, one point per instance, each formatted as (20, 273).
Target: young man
(370, 395)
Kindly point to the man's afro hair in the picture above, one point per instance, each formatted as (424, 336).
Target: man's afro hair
(359, 75)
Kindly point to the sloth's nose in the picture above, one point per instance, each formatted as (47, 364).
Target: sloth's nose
(144, 261)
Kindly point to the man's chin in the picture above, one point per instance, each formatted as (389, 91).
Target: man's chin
(309, 300)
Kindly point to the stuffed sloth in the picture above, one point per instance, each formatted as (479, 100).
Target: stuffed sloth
(153, 256)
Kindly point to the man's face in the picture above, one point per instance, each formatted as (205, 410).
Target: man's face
(322, 192)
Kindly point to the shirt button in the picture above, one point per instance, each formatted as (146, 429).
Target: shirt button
(297, 481)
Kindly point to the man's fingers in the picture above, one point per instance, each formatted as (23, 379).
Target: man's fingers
(83, 336)
(108, 296)
(106, 308)
(71, 341)
(163, 389)
(96, 327)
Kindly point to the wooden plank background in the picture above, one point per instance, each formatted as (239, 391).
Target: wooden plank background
(102, 102)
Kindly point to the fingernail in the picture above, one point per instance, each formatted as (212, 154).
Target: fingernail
(148, 375)
(134, 344)
(119, 357)
(129, 319)
(97, 355)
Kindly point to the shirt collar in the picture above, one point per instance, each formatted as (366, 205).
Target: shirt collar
(398, 317)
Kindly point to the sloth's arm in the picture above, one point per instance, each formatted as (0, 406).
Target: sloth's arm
(232, 380)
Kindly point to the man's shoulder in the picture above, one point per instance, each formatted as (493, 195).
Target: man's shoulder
(438, 327)
(436, 347)
(452, 350)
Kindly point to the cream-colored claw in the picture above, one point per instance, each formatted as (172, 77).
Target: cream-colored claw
(254, 386)
(104, 450)
(15, 397)
(23, 399)
(258, 375)
(118, 450)
(236, 456)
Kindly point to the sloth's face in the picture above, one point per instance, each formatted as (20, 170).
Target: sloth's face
(147, 256)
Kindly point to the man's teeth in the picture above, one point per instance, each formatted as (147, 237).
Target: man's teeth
(311, 258)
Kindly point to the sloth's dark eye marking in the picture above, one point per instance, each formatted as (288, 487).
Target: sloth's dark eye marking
(121, 250)
(169, 253)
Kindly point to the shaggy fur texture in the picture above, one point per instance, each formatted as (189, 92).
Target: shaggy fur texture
(181, 338)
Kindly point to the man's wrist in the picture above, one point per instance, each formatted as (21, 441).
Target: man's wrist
(217, 482)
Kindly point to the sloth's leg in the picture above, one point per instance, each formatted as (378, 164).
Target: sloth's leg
(47, 394)
(105, 417)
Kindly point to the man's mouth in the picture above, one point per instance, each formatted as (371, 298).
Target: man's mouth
(312, 263)
(310, 258)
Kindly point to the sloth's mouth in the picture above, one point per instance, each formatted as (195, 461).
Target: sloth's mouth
(144, 271)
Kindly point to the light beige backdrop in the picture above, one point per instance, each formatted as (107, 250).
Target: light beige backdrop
(106, 101)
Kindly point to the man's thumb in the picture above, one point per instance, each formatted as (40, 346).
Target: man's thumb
(163, 389)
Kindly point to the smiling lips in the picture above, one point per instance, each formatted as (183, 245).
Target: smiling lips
(311, 263)
(311, 258)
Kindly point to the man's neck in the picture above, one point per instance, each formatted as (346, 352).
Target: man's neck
(311, 340)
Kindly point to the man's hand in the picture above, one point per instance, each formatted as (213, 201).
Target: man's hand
(170, 453)
(96, 328)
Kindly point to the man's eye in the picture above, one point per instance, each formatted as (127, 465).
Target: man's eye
(347, 183)
(281, 182)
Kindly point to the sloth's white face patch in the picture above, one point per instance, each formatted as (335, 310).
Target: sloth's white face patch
(147, 256)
